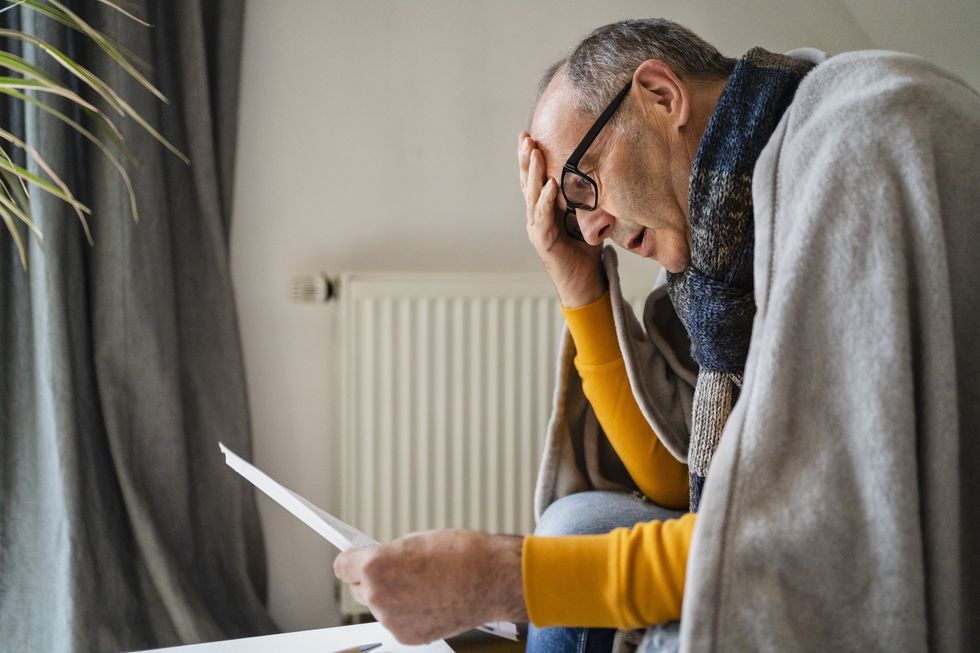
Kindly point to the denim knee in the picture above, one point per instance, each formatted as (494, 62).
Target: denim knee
(570, 515)
(590, 513)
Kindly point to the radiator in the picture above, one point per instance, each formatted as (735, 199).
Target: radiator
(447, 384)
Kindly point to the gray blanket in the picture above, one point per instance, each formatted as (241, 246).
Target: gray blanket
(842, 511)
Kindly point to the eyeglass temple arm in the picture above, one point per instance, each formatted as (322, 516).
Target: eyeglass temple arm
(597, 127)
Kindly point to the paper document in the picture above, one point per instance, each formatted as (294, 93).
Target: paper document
(340, 534)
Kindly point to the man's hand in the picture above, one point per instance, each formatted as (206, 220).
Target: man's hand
(572, 265)
(431, 585)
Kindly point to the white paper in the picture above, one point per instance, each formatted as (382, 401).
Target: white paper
(505, 629)
(325, 640)
(340, 534)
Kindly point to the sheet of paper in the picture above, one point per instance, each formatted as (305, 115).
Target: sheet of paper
(325, 640)
(340, 534)
(505, 629)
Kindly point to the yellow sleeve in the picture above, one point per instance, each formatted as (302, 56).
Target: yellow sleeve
(599, 361)
(628, 578)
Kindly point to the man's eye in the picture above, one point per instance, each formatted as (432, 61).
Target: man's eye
(581, 184)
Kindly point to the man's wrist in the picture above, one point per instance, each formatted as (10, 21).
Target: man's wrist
(583, 291)
(507, 577)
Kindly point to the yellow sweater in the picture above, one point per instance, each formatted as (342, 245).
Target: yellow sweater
(630, 577)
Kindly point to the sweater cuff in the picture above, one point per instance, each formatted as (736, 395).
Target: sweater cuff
(594, 332)
(587, 595)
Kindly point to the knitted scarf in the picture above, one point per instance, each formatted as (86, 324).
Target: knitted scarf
(714, 297)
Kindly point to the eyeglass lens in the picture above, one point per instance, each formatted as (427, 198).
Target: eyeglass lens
(579, 190)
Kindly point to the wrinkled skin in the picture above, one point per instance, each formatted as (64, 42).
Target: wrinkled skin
(434, 584)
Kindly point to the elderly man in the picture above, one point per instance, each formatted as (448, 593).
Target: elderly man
(813, 346)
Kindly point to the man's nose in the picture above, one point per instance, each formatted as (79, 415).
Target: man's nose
(595, 225)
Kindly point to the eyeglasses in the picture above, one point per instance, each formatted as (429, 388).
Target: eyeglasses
(580, 190)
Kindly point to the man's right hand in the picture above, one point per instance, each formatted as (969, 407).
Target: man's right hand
(572, 265)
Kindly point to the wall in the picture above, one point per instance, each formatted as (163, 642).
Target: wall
(381, 136)
(944, 31)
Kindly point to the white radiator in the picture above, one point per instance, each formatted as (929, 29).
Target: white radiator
(447, 383)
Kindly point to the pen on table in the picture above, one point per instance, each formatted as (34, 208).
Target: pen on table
(363, 648)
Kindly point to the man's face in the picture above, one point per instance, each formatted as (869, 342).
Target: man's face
(636, 166)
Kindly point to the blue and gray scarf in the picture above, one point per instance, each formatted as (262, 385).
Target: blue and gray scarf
(714, 297)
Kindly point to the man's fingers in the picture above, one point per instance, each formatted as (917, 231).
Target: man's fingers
(348, 565)
(547, 198)
(355, 591)
(524, 158)
(535, 177)
(544, 208)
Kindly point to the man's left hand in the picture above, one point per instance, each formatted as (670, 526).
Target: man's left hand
(430, 585)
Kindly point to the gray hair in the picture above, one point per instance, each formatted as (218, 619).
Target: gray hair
(606, 59)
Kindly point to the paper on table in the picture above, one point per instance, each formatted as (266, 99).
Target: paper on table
(340, 534)
(324, 640)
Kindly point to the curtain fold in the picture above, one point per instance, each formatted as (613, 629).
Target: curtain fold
(121, 364)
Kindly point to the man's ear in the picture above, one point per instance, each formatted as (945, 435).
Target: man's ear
(658, 89)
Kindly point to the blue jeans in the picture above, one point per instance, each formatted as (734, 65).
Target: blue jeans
(588, 513)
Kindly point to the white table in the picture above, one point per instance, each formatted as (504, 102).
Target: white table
(324, 640)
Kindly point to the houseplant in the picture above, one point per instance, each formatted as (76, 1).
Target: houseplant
(94, 111)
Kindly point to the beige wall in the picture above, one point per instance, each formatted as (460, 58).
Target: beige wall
(381, 135)
(944, 31)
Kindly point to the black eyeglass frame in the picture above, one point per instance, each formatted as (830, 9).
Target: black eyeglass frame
(571, 166)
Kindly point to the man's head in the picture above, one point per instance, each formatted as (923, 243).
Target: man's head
(641, 160)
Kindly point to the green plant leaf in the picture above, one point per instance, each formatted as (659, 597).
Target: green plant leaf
(87, 134)
(12, 206)
(15, 234)
(61, 19)
(86, 76)
(103, 43)
(16, 189)
(103, 123)
(18, 182)
(32, 85)
(7, 164)
(30, 88)
(92, 81)
(124, 12)
(12, 5)
(43, 165)
(43, 81)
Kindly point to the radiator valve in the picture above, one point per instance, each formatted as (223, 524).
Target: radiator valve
(315, 288)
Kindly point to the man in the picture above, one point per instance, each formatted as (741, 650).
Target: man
(817, 219)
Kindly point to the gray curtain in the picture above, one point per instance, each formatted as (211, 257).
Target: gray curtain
(121, 366)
